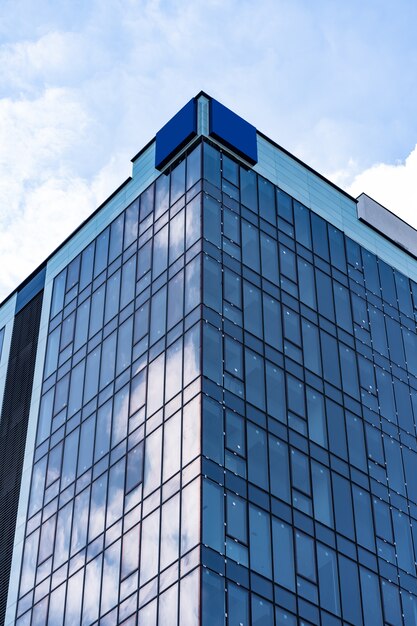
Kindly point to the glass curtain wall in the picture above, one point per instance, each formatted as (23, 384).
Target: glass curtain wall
(309, 416)
(113, 524)
(277, 348)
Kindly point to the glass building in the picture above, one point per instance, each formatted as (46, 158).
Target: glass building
(209, 400)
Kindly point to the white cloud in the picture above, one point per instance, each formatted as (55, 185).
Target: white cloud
(393, 186)
(43, 197)
(51, 210)
(53, 57)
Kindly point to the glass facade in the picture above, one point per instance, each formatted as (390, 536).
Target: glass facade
(309, 416)
(113, 523)
(227, 430)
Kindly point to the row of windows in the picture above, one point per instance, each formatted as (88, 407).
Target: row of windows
(90, 593)
(113, 296)
(284, 396)
(153, 384)
(307, 229)
(264, 317)
(110, 351)
(97, 311)
(292, 476)
(267, 462)
(236, 542)
(228, 604)
(119, 346)
(106, 436)
(331, 299)
(76, 530)
(134, 227)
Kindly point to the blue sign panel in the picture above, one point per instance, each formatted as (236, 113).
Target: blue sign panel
(175, 134)
(233, 131)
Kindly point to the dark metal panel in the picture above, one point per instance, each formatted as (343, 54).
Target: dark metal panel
(13, 429)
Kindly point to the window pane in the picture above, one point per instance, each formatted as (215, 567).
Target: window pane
(213, 516)
(322, 494)
(236, 518)
(134, 467)
(269, 256)
(237, 606)
(283, 554)
(257, 456)
(260, 541)
(160, 252)
(370, 598)
(279, 469)
(255, 378)
(328, 579)
(250, 246)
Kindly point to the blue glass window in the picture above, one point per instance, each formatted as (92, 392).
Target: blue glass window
(322, 496)
(279, 469)
(306, 283)
(311, 346)
(316, 417)
(212, 220)
(213, 430)
(372, 612)
(343, 510)
(250, 246)
(275, 390)
(392, 604)
(269, 257)
(349, 586)
(236, 518)
(262, 612)
(363, 518)
(213, 516)
(213, 599)
(272, 321)
(302, 224)
(260, 541)
(257, 456)
(252, 309)
(266, 200)
(328, 579)
(306, 560)
(237, 606)
(254, 368)
(283, 554)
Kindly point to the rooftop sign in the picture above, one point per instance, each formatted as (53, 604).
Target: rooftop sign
(176, 134)
(233, 131)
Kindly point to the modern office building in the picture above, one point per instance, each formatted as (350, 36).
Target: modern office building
(209, 400)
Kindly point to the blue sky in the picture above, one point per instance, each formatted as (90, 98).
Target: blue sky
(84, 84)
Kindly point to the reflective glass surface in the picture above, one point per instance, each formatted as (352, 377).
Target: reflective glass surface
(309, 416)
(113, 522)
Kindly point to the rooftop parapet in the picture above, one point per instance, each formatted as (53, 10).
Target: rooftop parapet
(373, 214)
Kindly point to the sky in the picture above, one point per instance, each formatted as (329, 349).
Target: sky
(84, 85)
